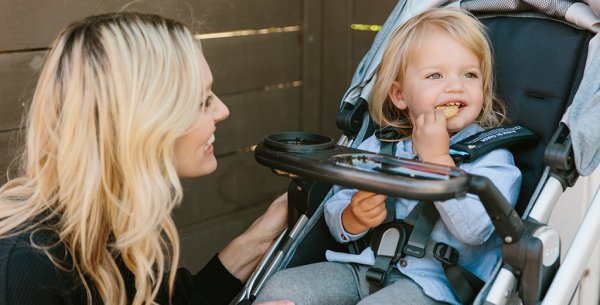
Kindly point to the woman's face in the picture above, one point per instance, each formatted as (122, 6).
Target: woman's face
(194, 151)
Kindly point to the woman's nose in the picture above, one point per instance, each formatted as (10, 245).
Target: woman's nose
(221, 111)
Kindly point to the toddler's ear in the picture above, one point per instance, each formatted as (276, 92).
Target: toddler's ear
(396, 96)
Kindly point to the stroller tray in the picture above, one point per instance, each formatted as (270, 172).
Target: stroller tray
(315, 156)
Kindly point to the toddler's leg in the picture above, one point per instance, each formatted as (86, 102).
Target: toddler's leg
(402, 291)
(321, 283)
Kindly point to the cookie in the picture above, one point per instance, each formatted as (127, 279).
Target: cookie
(449, 110)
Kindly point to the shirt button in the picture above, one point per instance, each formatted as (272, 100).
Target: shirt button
(343, 237)
(403, 263)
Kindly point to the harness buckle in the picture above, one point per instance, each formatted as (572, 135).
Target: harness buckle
(387, 242)
(445, 254)
(376, 276)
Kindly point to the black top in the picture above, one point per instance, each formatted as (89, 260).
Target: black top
(29, 277)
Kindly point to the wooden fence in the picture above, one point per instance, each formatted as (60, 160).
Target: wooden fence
(289, 76)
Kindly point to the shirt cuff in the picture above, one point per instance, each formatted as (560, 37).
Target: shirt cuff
(217, 284)
(348, 237)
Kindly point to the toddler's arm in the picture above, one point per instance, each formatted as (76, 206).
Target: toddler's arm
(466, 218)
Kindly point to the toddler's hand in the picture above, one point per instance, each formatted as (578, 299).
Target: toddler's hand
(366, 210)
(431, 139)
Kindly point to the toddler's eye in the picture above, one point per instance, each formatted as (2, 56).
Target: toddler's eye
(434, 76)
(471, 75)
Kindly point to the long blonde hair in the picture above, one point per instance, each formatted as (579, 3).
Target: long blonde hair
(462, 27)
(114, 94)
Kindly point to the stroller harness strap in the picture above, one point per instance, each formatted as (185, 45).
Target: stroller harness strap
(470, 148)
(419, 224)
(414, 231)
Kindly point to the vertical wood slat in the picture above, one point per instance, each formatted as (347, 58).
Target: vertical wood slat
(337, 72)
(311, 66)
(18, 75)
(344, 48)
(366, 13)
(9, 147)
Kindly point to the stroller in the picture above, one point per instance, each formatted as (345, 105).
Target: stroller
(552, 45)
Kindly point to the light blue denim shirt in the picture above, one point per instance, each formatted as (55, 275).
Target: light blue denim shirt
(463, 224)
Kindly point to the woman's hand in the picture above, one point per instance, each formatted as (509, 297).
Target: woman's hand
(241, 256)
(366, 210)
(431, 140)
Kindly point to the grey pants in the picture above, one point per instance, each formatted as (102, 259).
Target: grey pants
(330, 283)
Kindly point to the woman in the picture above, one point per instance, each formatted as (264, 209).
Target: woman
(123, 108)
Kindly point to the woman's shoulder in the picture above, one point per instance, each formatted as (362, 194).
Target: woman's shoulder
(28, 265)
(31, 249)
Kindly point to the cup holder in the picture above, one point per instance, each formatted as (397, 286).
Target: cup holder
(298, 142)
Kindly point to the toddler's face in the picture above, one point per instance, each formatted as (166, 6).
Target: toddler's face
(441, 72)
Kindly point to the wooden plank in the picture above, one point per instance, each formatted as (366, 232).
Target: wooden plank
(343, 49)
(9, 147)
(255, 114)
(336, 68)
(311, 66)
(251, 62)
(202, 240)
(367, 12)
(239, 182)
(361, 43)
(28, 24)
(18, 75)
(239, 64)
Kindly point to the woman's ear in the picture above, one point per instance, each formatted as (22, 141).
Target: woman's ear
(395, 94)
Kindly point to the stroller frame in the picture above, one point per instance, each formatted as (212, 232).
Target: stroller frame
(559, 173)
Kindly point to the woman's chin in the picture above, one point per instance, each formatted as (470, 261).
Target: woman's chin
(208, 166)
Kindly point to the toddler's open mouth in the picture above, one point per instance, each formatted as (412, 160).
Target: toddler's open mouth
(450, 109)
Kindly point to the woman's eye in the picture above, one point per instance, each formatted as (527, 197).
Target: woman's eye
(434, 76)
(471, 75)
(208, 101)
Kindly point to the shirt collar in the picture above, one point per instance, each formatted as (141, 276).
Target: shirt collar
(470, 130)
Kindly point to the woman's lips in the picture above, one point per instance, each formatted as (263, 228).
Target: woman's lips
(209, 148)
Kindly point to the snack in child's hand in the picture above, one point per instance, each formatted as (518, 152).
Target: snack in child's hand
(449, 110)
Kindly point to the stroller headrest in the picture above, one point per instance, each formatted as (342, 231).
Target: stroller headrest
(539, 64)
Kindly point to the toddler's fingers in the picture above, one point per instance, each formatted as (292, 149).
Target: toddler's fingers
(429, 117)
(380, 218)
(439, 115)
(372, 202)
(420, 121)
(360, 195)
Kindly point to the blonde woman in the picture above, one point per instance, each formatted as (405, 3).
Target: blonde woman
(123, 109)
(433, 88)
